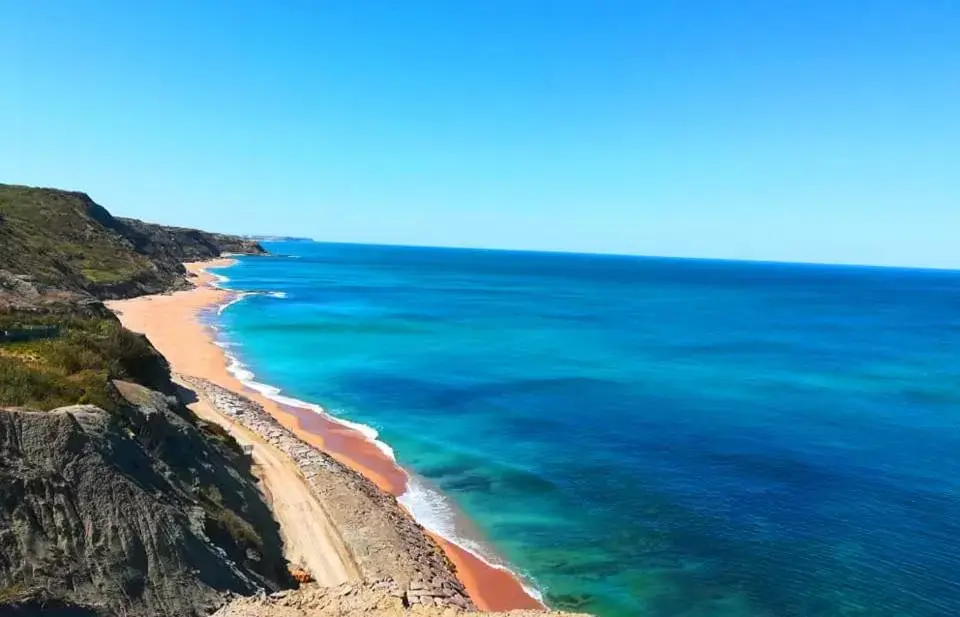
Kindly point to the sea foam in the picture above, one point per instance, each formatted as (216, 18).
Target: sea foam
(433, 510)
(429, 507)
(243, 374)
(218, 281)
(243, 295)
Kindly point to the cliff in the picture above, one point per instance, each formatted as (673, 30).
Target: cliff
(136, 512)
(114, 497)
(174, 245)
(65, 240)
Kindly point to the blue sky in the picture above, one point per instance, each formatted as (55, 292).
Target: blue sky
(810, 130)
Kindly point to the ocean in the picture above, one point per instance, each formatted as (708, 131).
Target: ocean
(642, 436)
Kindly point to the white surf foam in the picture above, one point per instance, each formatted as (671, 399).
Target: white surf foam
(370, 434)
(433, 510)
(219, 280)
(236, 298)
(242, 295)
(245, 376)
(429, 507)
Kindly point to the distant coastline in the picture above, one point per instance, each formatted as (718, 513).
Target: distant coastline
(260, 238)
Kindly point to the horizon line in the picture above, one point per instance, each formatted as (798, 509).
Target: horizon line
(609, 254)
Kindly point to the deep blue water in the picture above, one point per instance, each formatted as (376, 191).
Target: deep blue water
(646, 436)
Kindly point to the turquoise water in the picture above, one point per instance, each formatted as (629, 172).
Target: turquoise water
(644, 436)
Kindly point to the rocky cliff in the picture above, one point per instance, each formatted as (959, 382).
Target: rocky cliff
(174, 245)
(114, 498)
(135, 512)
(64, 239)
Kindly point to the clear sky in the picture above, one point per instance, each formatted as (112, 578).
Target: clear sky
(765, 129)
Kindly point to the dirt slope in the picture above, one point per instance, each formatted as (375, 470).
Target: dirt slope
(310, 539)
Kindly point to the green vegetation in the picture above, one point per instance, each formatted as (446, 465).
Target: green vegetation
(75, 367)
(73, 247)
(65, 239)
(225, 526)
(59, 254)
(13, 593)
(80, 366)
(219, 435)
(242, 532)
(40, 388)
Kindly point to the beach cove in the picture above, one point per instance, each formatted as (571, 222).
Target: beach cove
(174, 324)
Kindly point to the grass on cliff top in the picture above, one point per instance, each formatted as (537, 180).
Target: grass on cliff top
(60, 238)
(75, 367)
(13, 593)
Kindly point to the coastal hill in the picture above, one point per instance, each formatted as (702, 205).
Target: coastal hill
(63, 239)
(114, 497)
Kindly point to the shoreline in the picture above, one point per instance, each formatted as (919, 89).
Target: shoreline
(174, 324)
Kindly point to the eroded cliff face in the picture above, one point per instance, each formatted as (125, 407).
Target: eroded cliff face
(143, 511)
(114, 498)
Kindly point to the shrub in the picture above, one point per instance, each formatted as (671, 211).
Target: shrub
(75, 367)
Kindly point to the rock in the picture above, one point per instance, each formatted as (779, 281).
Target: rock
(301, 575)
(363, 601)
(97, 509)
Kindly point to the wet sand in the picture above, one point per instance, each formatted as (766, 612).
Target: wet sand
(173, 324)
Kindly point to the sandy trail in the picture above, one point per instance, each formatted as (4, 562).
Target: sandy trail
(309, 538)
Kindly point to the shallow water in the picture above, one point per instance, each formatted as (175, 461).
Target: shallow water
(645, 436)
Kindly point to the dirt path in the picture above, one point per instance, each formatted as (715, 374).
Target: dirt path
(309, 538)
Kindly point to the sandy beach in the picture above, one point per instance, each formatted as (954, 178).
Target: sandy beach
(172, 323)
